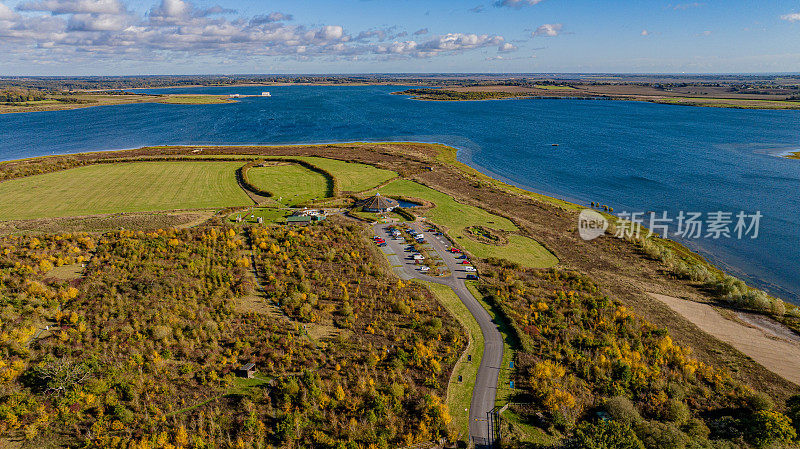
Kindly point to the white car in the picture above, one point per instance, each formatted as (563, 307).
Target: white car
(470, 269)
(424, 268)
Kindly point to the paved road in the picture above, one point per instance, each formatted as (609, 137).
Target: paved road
(485, 390)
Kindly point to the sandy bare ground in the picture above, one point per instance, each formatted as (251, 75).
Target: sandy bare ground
(779, 355)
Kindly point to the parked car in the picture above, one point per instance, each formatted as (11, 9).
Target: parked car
(470, 269)
(465, 262)
(454, 250)
(472, 277)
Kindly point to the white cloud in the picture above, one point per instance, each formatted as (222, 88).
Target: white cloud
(171, 9)
(421, 31)
(330, 33)
(73, 6)
(104, 30)
(705, 33)
(446, 44)
(548, 30)
(6, 13)
(516, 4)
(98, 22)
(645, 33)
(506, 47)
(793, 17)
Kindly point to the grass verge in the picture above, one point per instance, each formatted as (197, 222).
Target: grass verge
(459, 394)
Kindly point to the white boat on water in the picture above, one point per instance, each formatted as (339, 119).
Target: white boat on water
(266, 94)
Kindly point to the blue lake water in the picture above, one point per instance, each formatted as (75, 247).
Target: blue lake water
(632, 156)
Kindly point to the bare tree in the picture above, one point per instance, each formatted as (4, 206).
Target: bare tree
(61, 375)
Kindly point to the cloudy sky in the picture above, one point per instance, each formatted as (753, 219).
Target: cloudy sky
(108, 37)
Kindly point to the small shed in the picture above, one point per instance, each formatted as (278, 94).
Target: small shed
(247, 371)
(303, 219)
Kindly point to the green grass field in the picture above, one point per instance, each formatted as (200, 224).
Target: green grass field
(459, 394)
(290, 184)
(123, 187)
(457, 217)
(353, 177)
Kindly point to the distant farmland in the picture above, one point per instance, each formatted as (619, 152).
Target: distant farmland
(124, 187)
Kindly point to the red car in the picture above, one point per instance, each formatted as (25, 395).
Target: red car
(455, 250)
(466, 262)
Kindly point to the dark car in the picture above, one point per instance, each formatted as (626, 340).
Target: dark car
(472, 277)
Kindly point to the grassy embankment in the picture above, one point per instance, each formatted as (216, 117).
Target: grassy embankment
(122, 188)
(352, 177)
(289, 182)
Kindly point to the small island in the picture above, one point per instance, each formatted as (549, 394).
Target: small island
(699, 96)
(29, 100)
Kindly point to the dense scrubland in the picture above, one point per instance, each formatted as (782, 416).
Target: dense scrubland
(142, 346)
(590, 373)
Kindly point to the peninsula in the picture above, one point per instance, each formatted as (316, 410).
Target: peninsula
(271, 292)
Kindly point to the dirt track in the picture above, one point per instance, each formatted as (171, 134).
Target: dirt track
(778, 355)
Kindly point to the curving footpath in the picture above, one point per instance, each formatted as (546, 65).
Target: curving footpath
(481, 429)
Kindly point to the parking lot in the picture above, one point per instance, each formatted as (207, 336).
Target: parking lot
(434, 247)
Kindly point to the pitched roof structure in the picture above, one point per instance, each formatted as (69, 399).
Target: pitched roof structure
(378, 202)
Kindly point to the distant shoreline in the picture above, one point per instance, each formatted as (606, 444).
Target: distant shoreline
(66, 102)
(511, 92)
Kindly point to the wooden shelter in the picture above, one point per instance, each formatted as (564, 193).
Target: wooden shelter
(378, 203)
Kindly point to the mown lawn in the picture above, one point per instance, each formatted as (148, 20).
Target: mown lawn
(290, 184)
(352, 176)
(459, 394)
(122, 187)
(457, 217)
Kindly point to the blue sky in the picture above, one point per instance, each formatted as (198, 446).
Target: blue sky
(106, 37)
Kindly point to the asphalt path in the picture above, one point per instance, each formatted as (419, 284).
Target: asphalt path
(485, 390)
